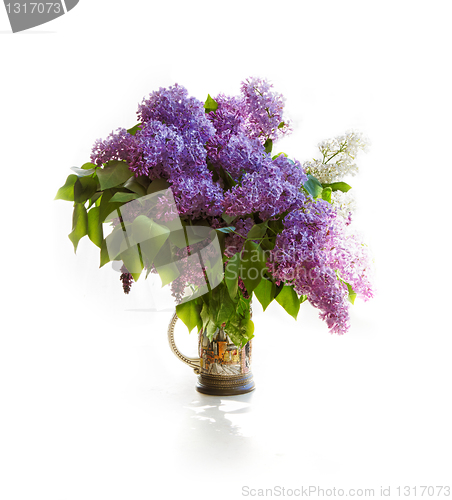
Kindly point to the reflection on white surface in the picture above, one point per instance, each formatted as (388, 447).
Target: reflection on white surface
(229, 415)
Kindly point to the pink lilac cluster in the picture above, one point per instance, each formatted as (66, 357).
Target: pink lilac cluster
(217, 163)
(191, 263)
(316, 254)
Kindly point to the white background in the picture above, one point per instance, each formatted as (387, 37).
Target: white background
(93, 404)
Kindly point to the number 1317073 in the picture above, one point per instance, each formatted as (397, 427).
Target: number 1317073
(33, 8)
(423, 491)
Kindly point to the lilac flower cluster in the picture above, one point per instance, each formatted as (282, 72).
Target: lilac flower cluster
(170, 145)
(264, 110)
(272, 190)
(316, 255)
(126, 279)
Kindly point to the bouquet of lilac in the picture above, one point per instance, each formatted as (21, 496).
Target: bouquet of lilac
(196, 179)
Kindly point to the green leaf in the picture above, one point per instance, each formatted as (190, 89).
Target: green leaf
(277, 225)
(95, 198)
(79, 224)
(107, 209)
(84, 172)
(144, 228)
(143, 180)
(231, 274)
(315, 180)
(227, 178)
(114, 173)
(215, 269)
(326, 194)
(113, 244)
(313, 186)
(66, 192)
(132, 260)
(95, 231)
(253, 265)
(123, 197)
(208, 325)
(281, 125)
(229, 229)
(166, 268)
(228, 218)
(257, 231)
(226, 307)
(351, 294)
(268, 243)
(249, 329)
(157, 185)
(279, 154)
(134, 129)
(268, 145)
(265, 292)
(168, 273)
(243, 307)
(178, 238)
(240, 331)
(288, 299)
(88, 166)
(104, 254)
(303, 298)
(84, 188)
(133, 185)
(151, 237)
(210, 104)
(190, 313)
(338, 186)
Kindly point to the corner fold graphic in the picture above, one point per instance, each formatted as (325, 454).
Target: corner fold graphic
(70, 4)
(25, 15)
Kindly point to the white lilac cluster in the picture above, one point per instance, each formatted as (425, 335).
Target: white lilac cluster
(344, 203)
(341, 151)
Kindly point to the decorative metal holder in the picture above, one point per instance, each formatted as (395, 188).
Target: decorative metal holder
(222, 368)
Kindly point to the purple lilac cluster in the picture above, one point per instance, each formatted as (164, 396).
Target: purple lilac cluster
(126, 279)
(273, 190)
(181, 143)
(170, 145)
(264, 110)
(189, 148)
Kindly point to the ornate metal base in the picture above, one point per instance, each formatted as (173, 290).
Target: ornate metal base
(223, 369)
(216, 385)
